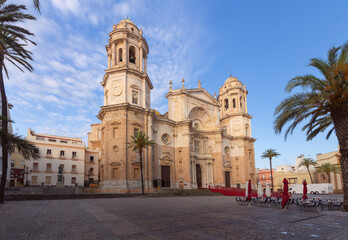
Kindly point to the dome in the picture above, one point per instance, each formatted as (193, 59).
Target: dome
(231, 79)
(124, 22)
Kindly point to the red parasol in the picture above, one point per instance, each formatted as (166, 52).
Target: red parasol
(285, 193)
(304, 190)
(249, 191)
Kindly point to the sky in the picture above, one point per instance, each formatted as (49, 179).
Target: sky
(262, 43)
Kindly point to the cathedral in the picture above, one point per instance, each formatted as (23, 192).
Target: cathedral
(202, 140)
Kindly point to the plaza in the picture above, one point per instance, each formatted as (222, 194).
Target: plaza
(208, 217)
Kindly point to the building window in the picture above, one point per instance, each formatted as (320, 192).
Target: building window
(226, 104)
(132, 54)
(12, 165)
(73, 168)
(165, 138)
(74, 154)
(48, 167)
(62, 166)
(34, 180)
(62, 153)
(227, 150)
(35, 166)
(40, 138)
(120, 54)
(63, 141)
(49, 152)
(240, 101)
(52, 140)
(48, 180)
(91, 159)
(246, 131)
(91, 171)
(114, 132)
(135, 96)
(292, 180)
(234, 103)
(37, 151)
(135, 131)
(196, 145)
(263, 176)
(73, 180)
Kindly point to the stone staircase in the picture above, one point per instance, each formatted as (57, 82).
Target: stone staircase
(167, 192)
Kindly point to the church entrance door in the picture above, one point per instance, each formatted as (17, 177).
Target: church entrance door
(199, 176)
(227, 179)
(165, 173)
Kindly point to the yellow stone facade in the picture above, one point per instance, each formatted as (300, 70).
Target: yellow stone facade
(202, 140)
(336, 178)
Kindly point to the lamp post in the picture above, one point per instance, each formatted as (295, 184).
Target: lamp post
(26, 173)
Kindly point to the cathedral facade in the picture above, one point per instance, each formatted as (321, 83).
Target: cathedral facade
(202, 140)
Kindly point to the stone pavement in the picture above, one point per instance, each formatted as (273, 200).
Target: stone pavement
(208, 217)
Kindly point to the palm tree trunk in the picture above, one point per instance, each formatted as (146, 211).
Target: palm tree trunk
(4, 128)
(141, 171)
(270, 164)
(309, 174)
(340, 120)
(328, 177)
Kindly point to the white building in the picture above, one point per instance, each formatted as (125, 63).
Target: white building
(67, 152)
(285, 168)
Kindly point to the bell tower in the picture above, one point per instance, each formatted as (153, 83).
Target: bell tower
(234, 117)
(126, 79)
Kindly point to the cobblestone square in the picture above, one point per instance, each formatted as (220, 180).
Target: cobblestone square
(208, 217)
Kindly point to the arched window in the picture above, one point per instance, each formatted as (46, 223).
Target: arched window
(132, 54)
(226, 104)
(234, 103)
(120, 54)
(241, 103)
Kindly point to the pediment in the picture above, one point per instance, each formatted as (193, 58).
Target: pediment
(202, 94)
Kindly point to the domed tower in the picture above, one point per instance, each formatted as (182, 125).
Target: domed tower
(126, 109)
(234, 117)
(236, 124)
(126, 79)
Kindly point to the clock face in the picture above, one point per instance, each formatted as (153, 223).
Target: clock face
(117, 90)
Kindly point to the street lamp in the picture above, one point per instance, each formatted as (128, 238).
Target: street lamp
(26, 173)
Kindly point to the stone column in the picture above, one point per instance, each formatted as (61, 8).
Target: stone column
(109, 59)
(141, 59)
(145, 65)
(113, 54)
(126, 51)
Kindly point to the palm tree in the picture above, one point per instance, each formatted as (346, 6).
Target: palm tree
(9, 143)
(138, 143)
(323, 101)
(270, 153)
(13, 40)
(307, 162)
(327, 168)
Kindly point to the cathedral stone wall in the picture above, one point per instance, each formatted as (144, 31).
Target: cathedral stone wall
(201, 141)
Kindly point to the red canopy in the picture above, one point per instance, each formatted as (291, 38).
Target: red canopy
(249, 191)
(285, 192)
(304, 190)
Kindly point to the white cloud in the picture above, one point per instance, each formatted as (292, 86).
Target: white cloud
(64, 92)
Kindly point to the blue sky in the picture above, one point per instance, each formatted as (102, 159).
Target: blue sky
(262, 43)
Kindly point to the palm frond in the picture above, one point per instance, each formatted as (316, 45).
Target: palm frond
(12, 141)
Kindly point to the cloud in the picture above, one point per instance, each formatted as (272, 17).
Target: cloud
(68, 6)
(122, 9)
(70, 60)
